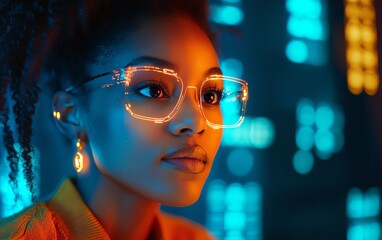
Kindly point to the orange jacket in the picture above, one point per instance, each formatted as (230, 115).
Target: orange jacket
(66, 216)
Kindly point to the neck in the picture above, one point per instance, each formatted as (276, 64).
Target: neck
(122, 212)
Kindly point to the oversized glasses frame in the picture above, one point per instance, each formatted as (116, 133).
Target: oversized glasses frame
(230, 100)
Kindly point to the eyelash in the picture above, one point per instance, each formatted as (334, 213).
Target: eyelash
(147, 83)
(215, 89)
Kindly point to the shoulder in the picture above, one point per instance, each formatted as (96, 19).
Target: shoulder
(176, 227)
(32, 223)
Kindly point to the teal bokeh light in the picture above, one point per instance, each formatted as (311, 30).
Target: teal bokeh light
(325, 117)
(240, 162)
(303, 162)
(231, 1)
(226, 14)
(297, 51)
(236, 197)
(364, 231)
(305, 138)
(216, 196)
(325, 141)
(363, 209)
(254, 132)
(232, 67)
(302, 27)
(306, 8)
(361, 205)
(231, 15)
(306, 114)
(262, 132)
(254, 197)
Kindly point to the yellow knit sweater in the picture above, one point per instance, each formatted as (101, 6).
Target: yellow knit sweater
(66, 216)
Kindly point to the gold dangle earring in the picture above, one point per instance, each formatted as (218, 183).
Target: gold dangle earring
(57, 115)
(78, 160)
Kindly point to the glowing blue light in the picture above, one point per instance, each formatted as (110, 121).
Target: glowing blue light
(216, 195)
(7, 197)
(234, 220)
(240, 162)
(228, 15)
(254, 197)
(305, 138)
(361, 205)
(262, 132)
(372, 204)
(297, 51)
(307, 8)
(303, 162)
(232, 67)
(306, 114)
(235, 216)
(231, 15)
(364, 231)
(234, 235)
(232, 1)
(365, 209)
(235, 197)
(324, 140)
(324, 117)
(215, 207)
(355, 203)
(294, 27)
(316, 31)
(254, 132)
(323, 155)
(305, 28)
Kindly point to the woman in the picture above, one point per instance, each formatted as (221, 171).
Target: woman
(140, 96)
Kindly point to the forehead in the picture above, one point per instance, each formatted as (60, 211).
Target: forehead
(178, 41)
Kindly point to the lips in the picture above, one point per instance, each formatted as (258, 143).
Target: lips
(190, 159)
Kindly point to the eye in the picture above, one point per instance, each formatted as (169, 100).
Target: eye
(153, 91)
(212, 97)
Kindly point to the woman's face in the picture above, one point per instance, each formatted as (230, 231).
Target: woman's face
(155, 160)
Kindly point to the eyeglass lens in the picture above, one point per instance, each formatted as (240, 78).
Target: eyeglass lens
(155, 94)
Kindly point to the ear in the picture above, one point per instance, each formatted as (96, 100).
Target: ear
(66, 115)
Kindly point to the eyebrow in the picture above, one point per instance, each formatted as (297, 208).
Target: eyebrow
(167, 64)
(154, 61)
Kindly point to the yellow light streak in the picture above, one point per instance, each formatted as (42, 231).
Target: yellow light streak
(361, 49)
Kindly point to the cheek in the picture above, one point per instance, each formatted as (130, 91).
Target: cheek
(120, 143)
(211, 141)
(114, 136)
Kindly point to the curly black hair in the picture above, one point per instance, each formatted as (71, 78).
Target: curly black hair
(61, 37)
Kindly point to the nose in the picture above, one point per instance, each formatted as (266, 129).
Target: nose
(189, 120)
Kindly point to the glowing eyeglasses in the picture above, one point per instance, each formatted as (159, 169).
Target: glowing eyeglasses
(156, 94)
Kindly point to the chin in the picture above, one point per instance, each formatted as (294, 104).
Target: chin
(181, 199)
